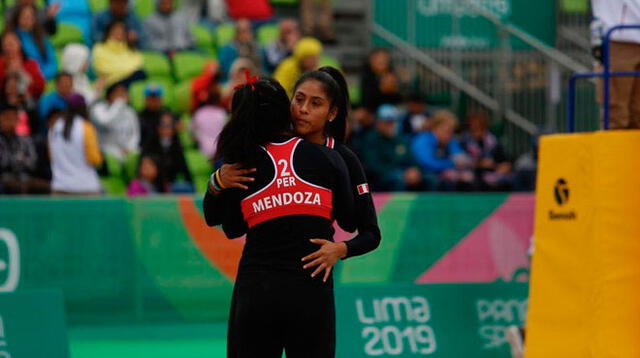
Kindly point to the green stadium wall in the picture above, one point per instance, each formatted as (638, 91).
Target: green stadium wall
(149, 260)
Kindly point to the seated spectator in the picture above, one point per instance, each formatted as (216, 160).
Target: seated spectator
(16, 95)
(119, 11)
(56, 99)
(201, 85)
(207, 124)
(388, 158)
(18, 157)
(117, 123)
(75, 61)
(242, 45)
(150, 115)
(114, 60)
(440, 155)
(416, 119)
(526, 168)
(379, 83)
(34, 40)
(236, 77)
(146, 181)
(168, 30)
(75, 152)
(362, 123)
(276, 51)
(46, 18)
(173, 172)
(305, 58)
(491, 168)
(210, 12)
(324, 17)
(13, 60)
(259, 10)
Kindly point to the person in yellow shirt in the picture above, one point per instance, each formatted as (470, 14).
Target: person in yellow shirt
(305, 58)
(114, 60)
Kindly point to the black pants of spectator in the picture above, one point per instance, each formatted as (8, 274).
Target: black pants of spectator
(272, 311)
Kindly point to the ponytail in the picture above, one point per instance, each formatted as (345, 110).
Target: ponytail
(259, 114)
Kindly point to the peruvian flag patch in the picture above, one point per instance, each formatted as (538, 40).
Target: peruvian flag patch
(363, 188)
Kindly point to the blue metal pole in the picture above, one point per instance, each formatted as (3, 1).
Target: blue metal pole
(606, 61)
(571, 104)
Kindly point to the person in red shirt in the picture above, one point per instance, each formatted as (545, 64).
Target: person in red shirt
(14, 60)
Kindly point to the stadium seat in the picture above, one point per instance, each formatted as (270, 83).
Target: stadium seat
(355, 94)
(284, 2)
(200, 169)
(267, 33)
(98, 5)
(204, 39)
(66, 34)
(188, 64)
(113, 183)
(326, 60)
(144, 8)
(131, 166)
(156, 64)
(182, 94)
(224, 33)
(136, 92)
(185, 134)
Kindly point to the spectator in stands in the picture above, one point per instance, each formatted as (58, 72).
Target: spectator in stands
(276, 51)
(525, 169)
(18, 157)
(146, 181)
(114, 60)
(236, 78)
(118, 10)
(75, 61)
(56, 99)
(34, 40)
(388, 156)
(207, 124)
(46, 18)
(416, 119)
(491, 167)
(624, 54)
(168, 30)
(117, 123)
(362, 123)
(202, 85)
(305, 58)
(208, 11)
(16, 95)
(440, 155)
(150, 115)
(75, 152)
(379, 83)
(243, 45)
(325, 19)
(173, 172)
(14, 60)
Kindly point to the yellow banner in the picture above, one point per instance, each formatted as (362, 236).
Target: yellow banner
(585, 283)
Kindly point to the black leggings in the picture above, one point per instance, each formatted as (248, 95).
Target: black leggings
(272, 311)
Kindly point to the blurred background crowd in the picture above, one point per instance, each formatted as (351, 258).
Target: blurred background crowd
(128, 96)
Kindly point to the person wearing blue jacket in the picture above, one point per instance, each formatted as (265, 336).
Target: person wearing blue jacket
(441, 156)
(34, 41)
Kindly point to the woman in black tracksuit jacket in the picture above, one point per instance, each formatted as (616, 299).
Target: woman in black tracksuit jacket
(297, 191)
(319, 108)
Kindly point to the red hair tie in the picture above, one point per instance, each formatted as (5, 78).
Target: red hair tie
(250, 80)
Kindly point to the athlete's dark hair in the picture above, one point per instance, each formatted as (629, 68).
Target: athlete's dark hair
(335, 88)
(259, 114)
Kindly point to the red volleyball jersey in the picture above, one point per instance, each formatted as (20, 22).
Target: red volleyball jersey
(287, 193)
